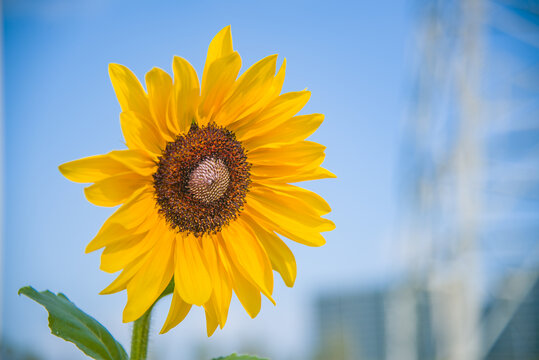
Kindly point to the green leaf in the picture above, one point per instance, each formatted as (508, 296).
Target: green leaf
(239, 357)
(71, 324)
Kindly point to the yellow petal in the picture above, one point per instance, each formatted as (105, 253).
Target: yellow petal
(222, 294)
(247, 293)
(141, 133)
(220, 78)
(160, 90)
(316, 174)
(117, 255)
(250, 89)
(220, 46)
(115, 190)
(308, 200)
(278, 81)
(220, 71)
(287, 223)
(288, 174)
(222, 290)
(129, 92)
(120, 283)
(282, 259)
(178, 311)
(276, 113)
(125, 220)
(186, 95)
(248, 255)
(304, 153)
(92, 169)
(211, 323)
(192, 280)
(296, 129)
(113, 258)
(222, 253)
(277, 172)
(111, 234)
(138, 161)
(269, 93)
(151, 280)
(289, 207)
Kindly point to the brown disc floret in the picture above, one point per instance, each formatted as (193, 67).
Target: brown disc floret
(201, 180)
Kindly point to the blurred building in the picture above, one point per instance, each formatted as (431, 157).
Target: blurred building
(358, 326)
(351, 326)
(367, 325)
(519, 335)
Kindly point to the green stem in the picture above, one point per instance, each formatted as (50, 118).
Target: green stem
(139, 339)
(141, 328)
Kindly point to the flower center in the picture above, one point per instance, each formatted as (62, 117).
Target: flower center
(209, 181)
(201, 180)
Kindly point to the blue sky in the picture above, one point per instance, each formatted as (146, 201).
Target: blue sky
(60, 106)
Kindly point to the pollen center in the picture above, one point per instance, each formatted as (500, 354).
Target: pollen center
(209, 181)
(202, 179)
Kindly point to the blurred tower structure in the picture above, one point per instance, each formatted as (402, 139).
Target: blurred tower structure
(443, 179)
(453, 166)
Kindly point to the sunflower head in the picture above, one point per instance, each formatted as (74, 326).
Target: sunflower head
(205, 185)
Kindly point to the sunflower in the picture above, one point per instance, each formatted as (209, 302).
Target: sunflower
(204, 185)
